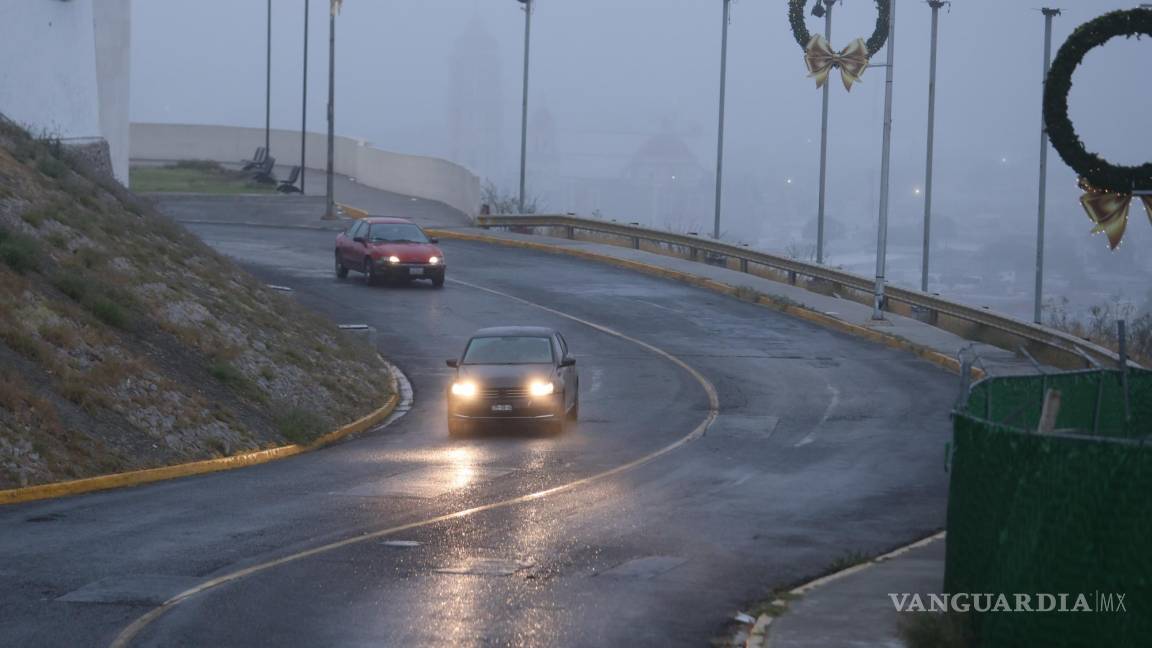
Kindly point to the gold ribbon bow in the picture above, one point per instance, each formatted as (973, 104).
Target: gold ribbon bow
(1109, 210)
(820, 59)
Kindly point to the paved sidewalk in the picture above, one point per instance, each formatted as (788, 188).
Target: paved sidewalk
(855, 611)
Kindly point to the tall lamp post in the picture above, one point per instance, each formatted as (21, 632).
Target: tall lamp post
(885, 159)
(720, 129)
(528, 5)
(935, 4)
(1038, 305)
(268, 84)
(826, 10)
(330, 211)
(304, 104)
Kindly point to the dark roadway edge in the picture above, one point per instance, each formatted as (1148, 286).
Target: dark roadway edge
(126, 636)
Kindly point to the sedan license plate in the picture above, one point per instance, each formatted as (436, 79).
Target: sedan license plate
(415, 271)
(499, 407)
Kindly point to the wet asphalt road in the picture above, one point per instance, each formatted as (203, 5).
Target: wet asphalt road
(824, 445)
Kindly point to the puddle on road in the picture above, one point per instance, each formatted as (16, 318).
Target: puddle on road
(404, 544)
(486, 567)
(428, 482)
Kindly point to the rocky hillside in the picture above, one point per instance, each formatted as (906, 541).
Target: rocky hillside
(127, 343)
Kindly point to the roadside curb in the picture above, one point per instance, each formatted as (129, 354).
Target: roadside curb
(815, 317)
(758, 635)
(149, 475)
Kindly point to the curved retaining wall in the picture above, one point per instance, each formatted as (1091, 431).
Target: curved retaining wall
(424, 177)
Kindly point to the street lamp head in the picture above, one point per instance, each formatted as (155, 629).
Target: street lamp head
(818, 9)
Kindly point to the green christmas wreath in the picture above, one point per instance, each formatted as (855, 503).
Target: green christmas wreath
(1097, 172)
(875, 42)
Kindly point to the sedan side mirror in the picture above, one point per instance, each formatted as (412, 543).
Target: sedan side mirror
(360, 239)
(452, 363)
(568, 362)
(433, 240)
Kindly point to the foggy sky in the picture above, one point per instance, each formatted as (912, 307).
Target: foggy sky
(610, 75)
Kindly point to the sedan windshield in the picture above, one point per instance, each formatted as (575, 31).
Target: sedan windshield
(509, 350)
(396, 233)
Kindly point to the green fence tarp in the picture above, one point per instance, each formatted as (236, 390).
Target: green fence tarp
(1031, 513)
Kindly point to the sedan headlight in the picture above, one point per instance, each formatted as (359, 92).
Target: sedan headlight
(541, 388)
(393, 259)
(433, 260)
(464, 389)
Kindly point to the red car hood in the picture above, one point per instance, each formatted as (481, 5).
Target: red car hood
(407, 252)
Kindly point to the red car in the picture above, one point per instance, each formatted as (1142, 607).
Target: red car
(393, 249)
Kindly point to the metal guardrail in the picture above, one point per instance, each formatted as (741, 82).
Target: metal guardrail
(1072, 351)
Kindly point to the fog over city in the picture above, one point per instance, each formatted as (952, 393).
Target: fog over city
(623, 119)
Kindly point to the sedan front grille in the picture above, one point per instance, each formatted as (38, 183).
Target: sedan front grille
(504, 392)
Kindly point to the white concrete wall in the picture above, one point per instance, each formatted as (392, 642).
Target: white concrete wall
(64, 70)
(113, 27)
(47, 67)
(413, 175)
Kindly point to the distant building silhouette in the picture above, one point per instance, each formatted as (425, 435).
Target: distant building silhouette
(475, 116)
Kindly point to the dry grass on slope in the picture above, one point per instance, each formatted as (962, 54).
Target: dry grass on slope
(125, 342)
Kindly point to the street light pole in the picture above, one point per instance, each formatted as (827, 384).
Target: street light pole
(524, 100)
(330, 211)
(268, 84)
(1038, 305)
(720, 130)
(304, 104)
(935, 4)
(885, 159)
(823, 143)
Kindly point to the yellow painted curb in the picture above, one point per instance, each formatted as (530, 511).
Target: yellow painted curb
(352, 212)
(138, 477)
(807, 314)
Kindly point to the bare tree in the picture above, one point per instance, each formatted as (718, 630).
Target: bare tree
(501, 201)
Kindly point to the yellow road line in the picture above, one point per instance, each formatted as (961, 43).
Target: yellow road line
(149, 475)
(807, 314)
(129, 633)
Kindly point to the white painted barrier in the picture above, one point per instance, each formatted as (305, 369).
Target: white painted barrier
(424, 177)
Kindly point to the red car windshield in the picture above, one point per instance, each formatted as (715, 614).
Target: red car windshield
(396, 233)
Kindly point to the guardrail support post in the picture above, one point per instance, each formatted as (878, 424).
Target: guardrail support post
(744, 266)
(695, 254)
(792, 277)
(635, 242)
(571, 232)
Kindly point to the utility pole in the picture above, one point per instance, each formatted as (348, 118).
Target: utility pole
(823, 140)
(268, 85)
(528, 5)
(720, 130)
(304, 104)
(1038, 305)
(885, 159)
(330, 211)
(935, 4)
